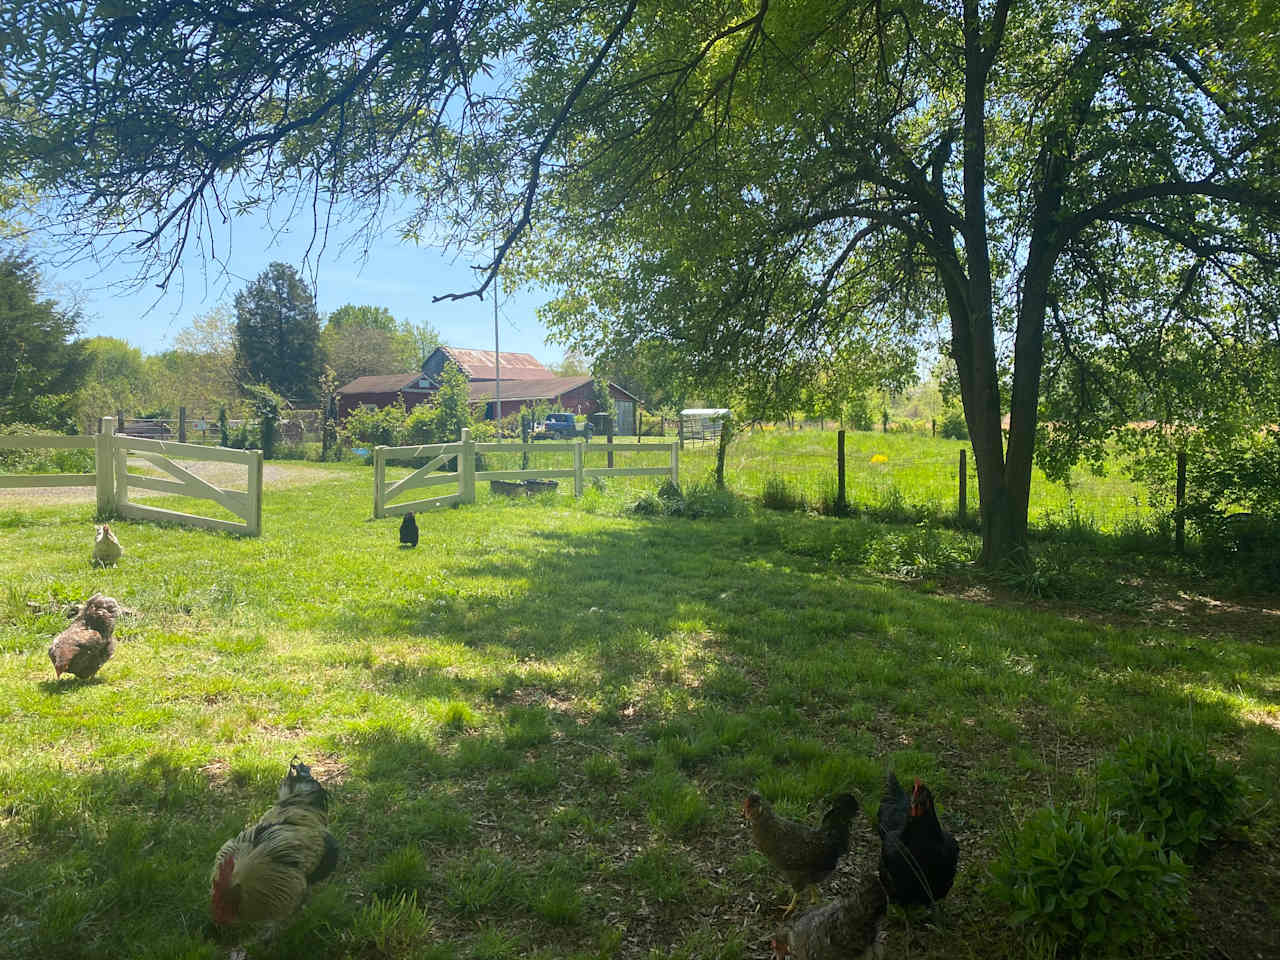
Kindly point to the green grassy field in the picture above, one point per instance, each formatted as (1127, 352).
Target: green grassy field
(538, 726)
(899, 474)
(918, 472)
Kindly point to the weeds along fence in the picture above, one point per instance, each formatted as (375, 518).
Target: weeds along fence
(903, 477)
(112, 477)
(473, 462)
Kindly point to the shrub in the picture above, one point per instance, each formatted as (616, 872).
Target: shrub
(954, 426)
(267, 405)
(42, 460)
(1083, 880)
(1173, 790)
(709, 500)
(484, 431)
(369, 428)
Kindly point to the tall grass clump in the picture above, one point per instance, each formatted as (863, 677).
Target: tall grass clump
(780, 493)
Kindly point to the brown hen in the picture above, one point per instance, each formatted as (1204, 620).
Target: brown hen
(87, 643)
(804, 855)
(852, 926)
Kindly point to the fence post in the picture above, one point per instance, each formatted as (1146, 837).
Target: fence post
(675, 463)
(182, 424)
(379, 478)
(255, 495)
(964, 483)
(577, 466)
(467, 468)
(1180, 519)
(608, 439)
(842, 505)
(121, 459)
(680, 431)
(524, 441)
(105, 465)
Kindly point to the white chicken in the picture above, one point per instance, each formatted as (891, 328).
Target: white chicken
(106, 547)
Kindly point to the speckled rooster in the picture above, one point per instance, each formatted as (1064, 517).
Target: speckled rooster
(261, 876)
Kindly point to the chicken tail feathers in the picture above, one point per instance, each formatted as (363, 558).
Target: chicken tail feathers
(892, 815)
(328, 862)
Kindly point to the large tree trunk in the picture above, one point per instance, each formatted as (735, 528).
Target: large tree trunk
(973, 327)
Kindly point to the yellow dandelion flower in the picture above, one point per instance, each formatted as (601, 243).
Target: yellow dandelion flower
(879, 458)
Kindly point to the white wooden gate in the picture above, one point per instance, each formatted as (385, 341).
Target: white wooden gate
(464, 478)
(245, 504)
(112, 478)
(424, 476)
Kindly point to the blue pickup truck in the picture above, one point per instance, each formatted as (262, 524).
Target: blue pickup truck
(560, 424)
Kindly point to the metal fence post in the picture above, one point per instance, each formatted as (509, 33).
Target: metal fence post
(842, 504)
(964, 483)
(1180, 516)
(675, 462)
(577, 467)
(104, 463)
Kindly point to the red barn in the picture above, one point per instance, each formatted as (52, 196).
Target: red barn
(524, 382)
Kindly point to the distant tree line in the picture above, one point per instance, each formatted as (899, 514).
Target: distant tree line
(271, 337)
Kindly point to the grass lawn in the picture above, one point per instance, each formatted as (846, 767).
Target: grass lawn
(539, 726)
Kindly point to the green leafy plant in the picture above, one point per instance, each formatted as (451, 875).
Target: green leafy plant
(1080, 879)
(1172, 789)
(953, 426)
(267, 404)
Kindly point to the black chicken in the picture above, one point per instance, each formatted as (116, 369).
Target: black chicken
(408, 531)
(917, 857)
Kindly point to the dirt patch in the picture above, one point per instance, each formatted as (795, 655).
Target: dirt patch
(1234, 902)
(228, 476)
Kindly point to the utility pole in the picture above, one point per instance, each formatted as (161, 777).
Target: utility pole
(497, 357)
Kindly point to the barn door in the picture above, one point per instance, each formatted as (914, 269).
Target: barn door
(626, 417)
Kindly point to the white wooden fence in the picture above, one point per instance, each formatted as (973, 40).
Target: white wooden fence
(112, 478)
(463, 478)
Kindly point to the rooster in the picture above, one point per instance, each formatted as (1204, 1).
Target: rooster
(805, 856)
(106, 548)
(260, 877)
(88, 642)
(917, 857)
(852, 926)
(408, 531)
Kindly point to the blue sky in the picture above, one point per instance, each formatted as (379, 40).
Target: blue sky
(397, 275)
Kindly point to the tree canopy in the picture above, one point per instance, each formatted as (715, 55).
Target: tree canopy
(1063, 192)
(363, 340)
(41, 362)
(277, 339)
